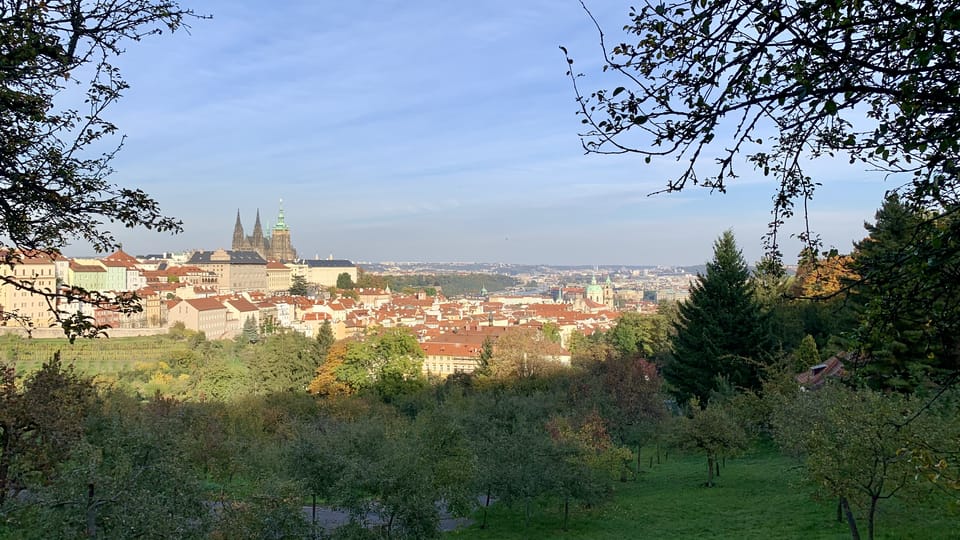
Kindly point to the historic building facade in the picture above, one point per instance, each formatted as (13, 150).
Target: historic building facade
(275, 245)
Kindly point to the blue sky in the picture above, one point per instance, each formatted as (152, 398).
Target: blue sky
(418, 130)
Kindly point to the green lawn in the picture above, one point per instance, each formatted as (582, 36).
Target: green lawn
(759, 496)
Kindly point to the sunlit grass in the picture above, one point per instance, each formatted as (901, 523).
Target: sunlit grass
(759, 496)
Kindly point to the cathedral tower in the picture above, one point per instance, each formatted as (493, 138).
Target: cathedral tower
(281, 249)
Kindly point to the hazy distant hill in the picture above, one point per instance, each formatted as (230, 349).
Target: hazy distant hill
(453, 284)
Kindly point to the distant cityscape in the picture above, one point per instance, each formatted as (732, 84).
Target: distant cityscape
(261, 281)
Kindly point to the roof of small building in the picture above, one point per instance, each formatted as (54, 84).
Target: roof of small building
(328, 263)
(205, 304)
(229, 257)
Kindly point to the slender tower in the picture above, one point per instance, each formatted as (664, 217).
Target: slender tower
(238, 237)
(281, 248)
(257, 241)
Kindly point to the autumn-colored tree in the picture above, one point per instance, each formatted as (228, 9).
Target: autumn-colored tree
(523, 352)
(823, 277)
(325, 383)
(389, 363)
(637, 410)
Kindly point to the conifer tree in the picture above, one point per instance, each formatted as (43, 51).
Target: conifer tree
(325, 339)
(721, 331)
(909, 316)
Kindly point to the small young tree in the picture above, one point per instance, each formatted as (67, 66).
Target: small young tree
(713, 431)
(250, 334)
(325, 339)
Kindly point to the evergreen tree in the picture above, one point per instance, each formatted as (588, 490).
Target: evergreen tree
(298, 286)
(910, 319)
(250, 333)
(486, 354)
(721, 331)
(325, 339)
(807, 354)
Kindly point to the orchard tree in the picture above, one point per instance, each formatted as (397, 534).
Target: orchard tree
(721, 331)
(713, 431)
(56, 151)
(40, 422)
(859, 446)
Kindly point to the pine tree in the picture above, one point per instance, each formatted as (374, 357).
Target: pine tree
(906, 298)
(250, 333)
(721, 331)
(325, 338)
(299, 286)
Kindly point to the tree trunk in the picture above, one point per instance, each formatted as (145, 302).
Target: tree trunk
(486, 504)
(851, 520)
(314, 510)
(839, 511)
(658, 453)
(716, 465)
(4, 462)
(91, 513)
(566, 512)
(709, 471)
(874, 499)
(638, 462)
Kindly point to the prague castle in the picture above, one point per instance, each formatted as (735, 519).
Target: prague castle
(273, 246)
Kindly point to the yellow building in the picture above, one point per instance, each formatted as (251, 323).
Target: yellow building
(324, 272)
(36, 271)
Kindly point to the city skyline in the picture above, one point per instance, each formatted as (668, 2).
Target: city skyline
(427, 132)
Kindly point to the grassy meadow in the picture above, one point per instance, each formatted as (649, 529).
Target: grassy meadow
(759, 496)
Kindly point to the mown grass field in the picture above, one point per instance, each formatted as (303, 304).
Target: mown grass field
(759, 496)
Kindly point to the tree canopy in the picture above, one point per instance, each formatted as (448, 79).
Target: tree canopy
(54, 173)
(717, 84)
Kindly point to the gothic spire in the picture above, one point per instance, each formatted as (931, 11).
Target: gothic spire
(238, 237)
(257, 230)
